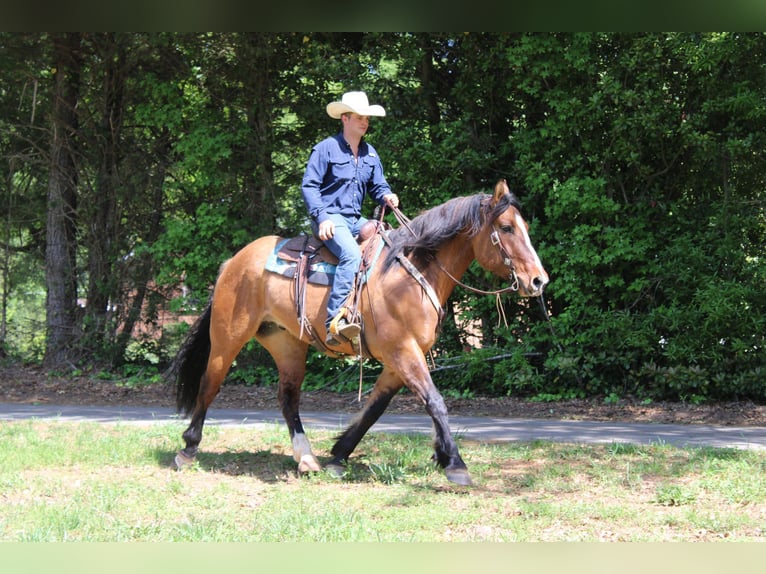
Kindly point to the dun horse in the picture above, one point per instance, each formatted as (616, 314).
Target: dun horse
(400, 307)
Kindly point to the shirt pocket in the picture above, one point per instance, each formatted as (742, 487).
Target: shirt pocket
(341, 169)
(365, 170)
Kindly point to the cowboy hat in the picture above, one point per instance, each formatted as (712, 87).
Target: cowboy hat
(355, 102)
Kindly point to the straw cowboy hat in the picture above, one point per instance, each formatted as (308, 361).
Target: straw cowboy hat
(355, 102)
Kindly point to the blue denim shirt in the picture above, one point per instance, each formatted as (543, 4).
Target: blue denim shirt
(334, 183)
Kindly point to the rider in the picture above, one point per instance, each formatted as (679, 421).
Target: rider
(341, 171)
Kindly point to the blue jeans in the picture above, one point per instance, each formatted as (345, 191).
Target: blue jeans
(344, 246)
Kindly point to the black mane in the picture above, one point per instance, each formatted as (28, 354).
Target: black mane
(441, 223)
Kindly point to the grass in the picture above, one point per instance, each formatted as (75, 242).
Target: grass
(89, 482)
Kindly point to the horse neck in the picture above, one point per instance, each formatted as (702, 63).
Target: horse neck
(454, 256)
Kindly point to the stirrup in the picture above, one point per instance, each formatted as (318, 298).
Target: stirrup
(340, 326)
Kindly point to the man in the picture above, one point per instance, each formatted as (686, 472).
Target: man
(341, 171)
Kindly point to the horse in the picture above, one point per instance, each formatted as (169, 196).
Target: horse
(401, 308)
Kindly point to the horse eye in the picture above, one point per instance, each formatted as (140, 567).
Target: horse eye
(506, 228)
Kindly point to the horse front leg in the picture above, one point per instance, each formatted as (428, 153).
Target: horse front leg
(417, 378)
(445, 448)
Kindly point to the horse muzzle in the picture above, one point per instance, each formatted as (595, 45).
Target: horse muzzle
(534, 286)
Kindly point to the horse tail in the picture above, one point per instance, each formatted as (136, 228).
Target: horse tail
(191, 362)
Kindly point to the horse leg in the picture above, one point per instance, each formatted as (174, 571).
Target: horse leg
(192, 437)
(214, 345)
(210, 384)
(387, 385)
(417, 378)
(445, 448)
(290, 357)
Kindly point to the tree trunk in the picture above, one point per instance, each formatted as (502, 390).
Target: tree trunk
(6, 265)
(143, 270)
(60, 253)
(258, 85)
(103, 212)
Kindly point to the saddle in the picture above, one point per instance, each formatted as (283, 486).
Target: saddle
(306, 259)
(305, 246)
(296, 248)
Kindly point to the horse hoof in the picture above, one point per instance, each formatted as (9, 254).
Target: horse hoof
(182, 460)
(459, 476)
(308, 463)
(335, 469)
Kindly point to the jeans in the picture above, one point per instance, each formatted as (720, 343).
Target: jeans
(344, 246)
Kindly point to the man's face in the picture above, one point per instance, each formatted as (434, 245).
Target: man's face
(356, 124)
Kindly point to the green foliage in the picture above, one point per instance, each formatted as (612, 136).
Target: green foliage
(147, 352)
(638, 158)
(654, 290)
(467, 375)
(674, 495)
(25, 316)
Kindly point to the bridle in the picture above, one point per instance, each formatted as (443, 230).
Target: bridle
(494, 237)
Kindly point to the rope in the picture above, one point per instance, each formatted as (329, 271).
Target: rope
(544, 308)
(500, 311)
(361, 376)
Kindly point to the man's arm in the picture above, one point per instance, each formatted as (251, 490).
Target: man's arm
(311, 185)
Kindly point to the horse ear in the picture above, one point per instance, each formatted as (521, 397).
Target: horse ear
(501, 188)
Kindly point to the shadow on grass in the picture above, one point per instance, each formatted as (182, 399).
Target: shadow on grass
(267, 466)
(276, 467)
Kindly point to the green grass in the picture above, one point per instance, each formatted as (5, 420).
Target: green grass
(89, 482)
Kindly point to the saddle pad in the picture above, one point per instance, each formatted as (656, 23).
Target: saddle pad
(320, 273)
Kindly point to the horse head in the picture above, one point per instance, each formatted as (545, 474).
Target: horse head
(503, 247)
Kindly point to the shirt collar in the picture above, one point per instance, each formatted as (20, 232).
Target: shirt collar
(347, 146)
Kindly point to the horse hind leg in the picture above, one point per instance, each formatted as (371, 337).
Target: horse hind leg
(289, 399)
(289, 354)
(202, 390)
(303, 455)
(210, 384)
(192, 436)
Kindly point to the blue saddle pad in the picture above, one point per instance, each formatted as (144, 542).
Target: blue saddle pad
(320, 273)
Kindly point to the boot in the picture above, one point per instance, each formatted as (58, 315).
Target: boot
(340, 326)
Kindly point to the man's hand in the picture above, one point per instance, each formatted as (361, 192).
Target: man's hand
(391, 199)
(326, 230)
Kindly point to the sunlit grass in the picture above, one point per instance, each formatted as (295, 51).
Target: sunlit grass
(75, 482)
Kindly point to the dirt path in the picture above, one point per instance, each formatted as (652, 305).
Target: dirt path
(31, 385)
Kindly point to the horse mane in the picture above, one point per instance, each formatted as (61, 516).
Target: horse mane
(428, 231)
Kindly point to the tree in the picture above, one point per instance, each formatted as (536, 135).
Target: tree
(60, 260)
(24, 146)
(638, 159)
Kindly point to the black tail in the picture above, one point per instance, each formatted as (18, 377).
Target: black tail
(190, 363)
